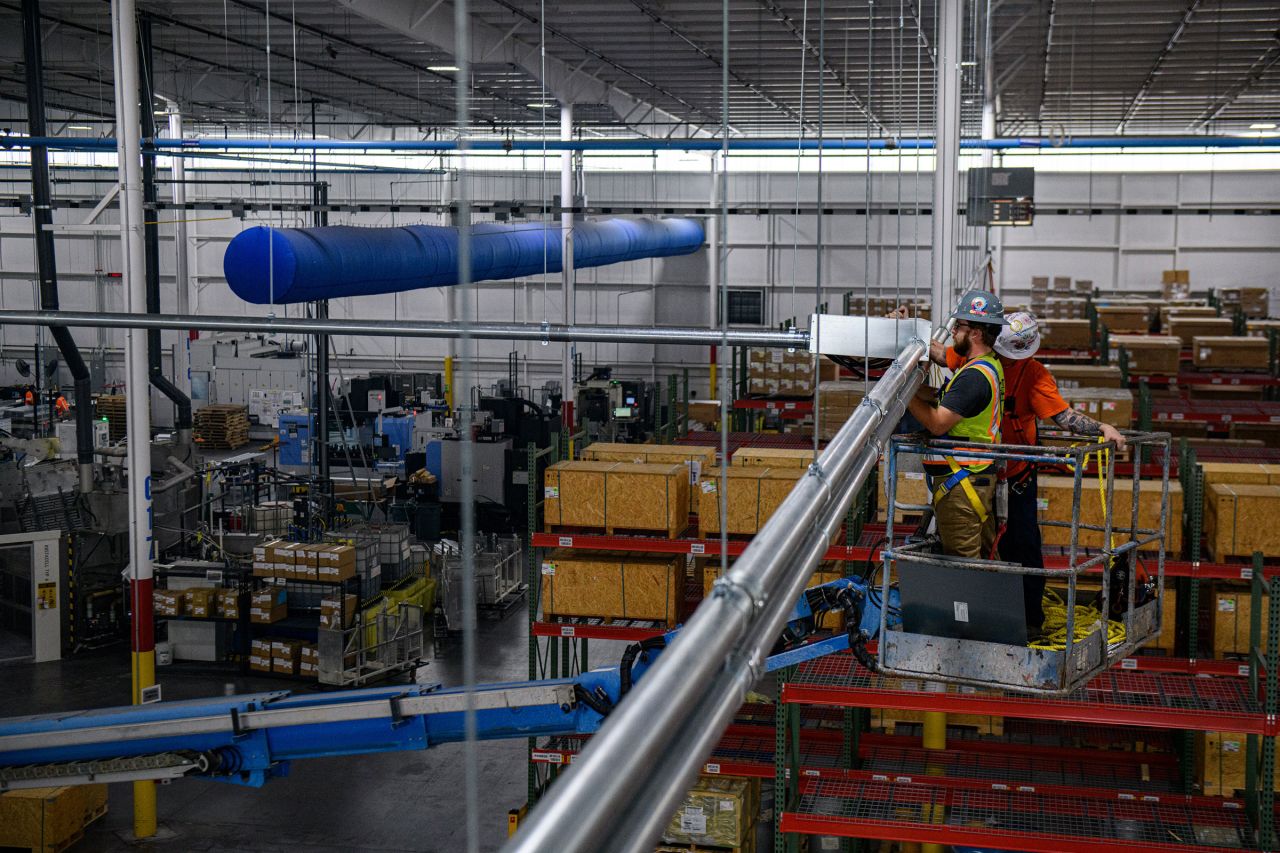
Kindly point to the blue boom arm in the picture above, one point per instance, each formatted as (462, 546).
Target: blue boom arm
(249, 738)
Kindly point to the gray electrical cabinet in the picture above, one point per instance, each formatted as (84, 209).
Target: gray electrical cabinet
(999, 196)
(488, 469)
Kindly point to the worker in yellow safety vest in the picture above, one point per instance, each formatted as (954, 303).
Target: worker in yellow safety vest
(969, 409)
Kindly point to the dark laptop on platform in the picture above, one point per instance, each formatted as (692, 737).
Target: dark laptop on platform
(961, 603)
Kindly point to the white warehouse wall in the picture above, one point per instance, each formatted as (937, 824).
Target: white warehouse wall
(882, 255)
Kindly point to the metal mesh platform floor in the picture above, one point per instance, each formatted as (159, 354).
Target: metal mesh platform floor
(1116, 697)
(1021, 821)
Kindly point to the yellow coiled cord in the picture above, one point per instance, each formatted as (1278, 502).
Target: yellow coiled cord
(1087, 620)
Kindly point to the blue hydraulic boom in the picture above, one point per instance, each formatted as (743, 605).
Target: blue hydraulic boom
(250, 738)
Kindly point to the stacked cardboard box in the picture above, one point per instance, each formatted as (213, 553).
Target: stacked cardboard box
(788, 373)
(1185, 328)
(285, 655)
(1039, 292)
(1066, 334)
(837, 402)
(878, 306)
(201, 602)
(260, 655)
(267, 605)
(228, 603)
(309, 661)
(168, 602)
(1253, 301)
(611, 585)
(1086, 375)
(1231, 353)
(1109, 405)
(754, 495)
(1232, 618)
(1064, 308)
(1148, 353)
(1175, 284)
(304, 562)
(338, 611)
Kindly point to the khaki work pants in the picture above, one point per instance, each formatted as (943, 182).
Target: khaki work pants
(961, 529)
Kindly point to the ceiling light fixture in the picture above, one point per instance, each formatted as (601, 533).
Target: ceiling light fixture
(79, 127)
(1263, 125)
(442, 68)
(539, 105)
(968, 63)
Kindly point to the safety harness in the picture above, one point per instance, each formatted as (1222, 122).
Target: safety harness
(983, 427)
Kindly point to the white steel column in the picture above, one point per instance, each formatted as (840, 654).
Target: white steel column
(181, 269)
(566, 251)
(138, 385)
(946, 172)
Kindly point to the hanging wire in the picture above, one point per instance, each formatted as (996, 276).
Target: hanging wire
(795, 219)
(866, 216)
(723, 286)
(817, 297)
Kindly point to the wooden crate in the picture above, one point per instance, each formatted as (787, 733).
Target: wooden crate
(1066, 333)
(222, 425)
(613, 586)
(773, 457)
(1240, 519)
(49, 819)
(1086, 375)
(1148, 353)
(1109, 405)
(754, 495)
(1121, 319)
(1220, 760)
(1240, 473)
(1231, 353)
(617, 496)
(1168, 622)
(696, 459)
(1232, 612)
(1185, 328)
(912, 489)
(1054, 503)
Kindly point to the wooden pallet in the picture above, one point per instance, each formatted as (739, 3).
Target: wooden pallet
(112, 407)
(222, 425)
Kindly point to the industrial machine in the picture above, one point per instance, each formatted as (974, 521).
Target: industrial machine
(617, 410)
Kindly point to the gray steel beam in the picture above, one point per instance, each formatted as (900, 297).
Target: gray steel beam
(1150, 79)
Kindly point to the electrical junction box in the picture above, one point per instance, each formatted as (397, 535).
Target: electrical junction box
(295, 433)
(999, 196)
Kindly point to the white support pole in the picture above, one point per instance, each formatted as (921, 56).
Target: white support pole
(566, 249)
(946, 172)
(138, 384)
(181, 268)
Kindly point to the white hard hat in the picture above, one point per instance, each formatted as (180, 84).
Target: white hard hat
(1020, 338)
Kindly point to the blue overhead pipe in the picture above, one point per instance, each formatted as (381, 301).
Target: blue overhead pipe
(278, 265)
(701, 144)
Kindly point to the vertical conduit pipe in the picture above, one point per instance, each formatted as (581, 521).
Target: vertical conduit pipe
(151, 239)
(182, 264)
(46, 263)
(566, 255)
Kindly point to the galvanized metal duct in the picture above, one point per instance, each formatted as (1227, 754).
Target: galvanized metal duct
(617, 795)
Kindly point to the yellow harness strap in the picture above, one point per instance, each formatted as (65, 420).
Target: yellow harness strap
(970, 492)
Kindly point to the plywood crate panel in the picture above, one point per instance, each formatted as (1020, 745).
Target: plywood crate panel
(49, 818)
(696, 459)
(1054, 503)
(612, 585)
(912, 489)
(1231, 353)
(1148, 353)
(1124, 318)
(617, 496)
(1066, 333)
(1232, 613)
(754, 495)
(1185, 328)
(1109, 405)
(1241, 518)
(1086, 375)
(773, 457)
(1220, 760)
(1240, 473)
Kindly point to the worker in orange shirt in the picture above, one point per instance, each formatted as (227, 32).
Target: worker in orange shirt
(1031, 395)
(29, 398)
(61, 406)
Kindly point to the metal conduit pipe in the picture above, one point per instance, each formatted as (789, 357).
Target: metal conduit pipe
(81, 143)
(151, 240)
(794, 339)
(717, 649)
(46, 259)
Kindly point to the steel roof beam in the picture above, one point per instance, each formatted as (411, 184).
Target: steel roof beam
(1155, 68)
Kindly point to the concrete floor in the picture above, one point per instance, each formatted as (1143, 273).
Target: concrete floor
(388, 802)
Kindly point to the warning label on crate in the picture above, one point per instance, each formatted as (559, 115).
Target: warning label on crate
(1042, 503)
(548, 568)
(1226, 605)
(708, 486)
(693, 821)
(551, 492)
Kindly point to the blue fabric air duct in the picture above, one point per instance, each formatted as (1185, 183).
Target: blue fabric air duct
(279, 265)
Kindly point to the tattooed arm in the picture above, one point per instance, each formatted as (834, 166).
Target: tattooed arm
(1082, 424)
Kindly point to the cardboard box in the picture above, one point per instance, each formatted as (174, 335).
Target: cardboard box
(720, 811)
(1054, 504)
(1085, 375)
(1175, 284)
(837, 402)
(200, 602)
(339, 612)
(1241, 518)
(1220, 764)
(1066, 334)
(1185, 328)
(268, 605)
(335, 563)
(1231, 353)
(1253, 301)
(1065, 307)
(754, 495)
(264, 552)
(168, 602)
(227, 603)
(1232, 613)
(309, 661)
(1109, 405)
(617, 496)
(260, 655)
(1175, 277)
(285, 655)
(1148, 353)
(612, 585)
(1123, 319)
